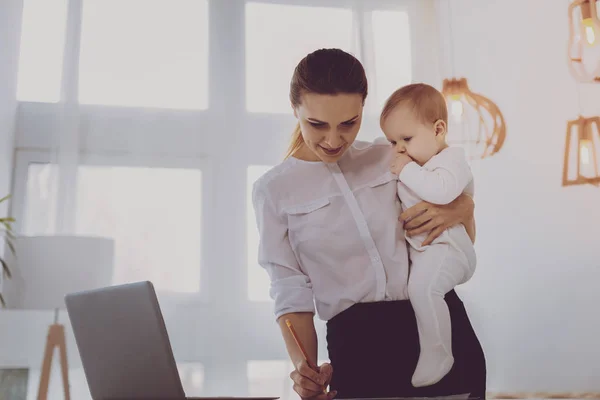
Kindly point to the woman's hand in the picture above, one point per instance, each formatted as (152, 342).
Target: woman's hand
(435, 219)
(309, 384)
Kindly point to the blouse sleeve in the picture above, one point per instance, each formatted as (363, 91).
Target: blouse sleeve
(291, 289)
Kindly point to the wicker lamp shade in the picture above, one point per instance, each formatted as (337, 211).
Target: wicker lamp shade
(483, 128)
(584, 40)
(582, 149)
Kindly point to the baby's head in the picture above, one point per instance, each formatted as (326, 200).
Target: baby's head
(415, 120)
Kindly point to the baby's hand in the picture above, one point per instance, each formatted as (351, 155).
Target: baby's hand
(400, 160)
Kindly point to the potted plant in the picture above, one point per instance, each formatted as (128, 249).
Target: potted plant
(7, 233)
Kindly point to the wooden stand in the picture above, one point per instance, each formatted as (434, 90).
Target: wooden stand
(56, 338)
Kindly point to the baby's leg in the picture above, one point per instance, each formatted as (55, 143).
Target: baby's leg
(434, 272)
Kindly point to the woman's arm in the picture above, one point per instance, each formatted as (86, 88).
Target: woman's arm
(309, 380)
(434, 219)
(471, 229)
(305, 330)
(293, 295)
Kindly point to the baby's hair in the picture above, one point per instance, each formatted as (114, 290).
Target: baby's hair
(426, 101)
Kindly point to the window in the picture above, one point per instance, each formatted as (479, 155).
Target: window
(277, 37)
(266, 378)
(42, 43)
(153, 214)
(187, 227)
(78, 385)
(40, 216)
(258, 279)
(161, 60)
(392, 50)
(192, 378)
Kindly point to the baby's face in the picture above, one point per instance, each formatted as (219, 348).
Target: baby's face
(411, 136)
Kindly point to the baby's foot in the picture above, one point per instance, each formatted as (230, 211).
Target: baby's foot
(434, 363)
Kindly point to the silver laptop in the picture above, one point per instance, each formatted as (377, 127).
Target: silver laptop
(124, 345)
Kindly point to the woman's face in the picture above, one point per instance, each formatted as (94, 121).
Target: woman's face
(329, 125)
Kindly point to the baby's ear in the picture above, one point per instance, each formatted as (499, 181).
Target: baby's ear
(439, 127)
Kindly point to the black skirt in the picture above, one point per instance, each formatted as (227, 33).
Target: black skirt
(374, 348)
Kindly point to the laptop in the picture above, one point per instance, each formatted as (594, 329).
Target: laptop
(124, 345)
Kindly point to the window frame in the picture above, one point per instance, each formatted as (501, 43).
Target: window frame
(166, 137)
(25, 158)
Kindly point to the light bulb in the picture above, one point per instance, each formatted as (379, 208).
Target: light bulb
(586, 151)
(456, 107)
(586, 167)
(590, 33)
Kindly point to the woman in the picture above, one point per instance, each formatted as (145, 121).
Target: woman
(329, 238)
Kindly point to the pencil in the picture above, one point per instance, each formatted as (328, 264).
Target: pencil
(301, 347)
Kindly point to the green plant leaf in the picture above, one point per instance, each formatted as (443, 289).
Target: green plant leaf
(5, 198)
(7, 225)
(7, 219)
(5, 268)
(2, 302)
(11, 247)
(9, 234)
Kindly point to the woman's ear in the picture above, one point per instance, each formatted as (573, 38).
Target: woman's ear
(439, 127)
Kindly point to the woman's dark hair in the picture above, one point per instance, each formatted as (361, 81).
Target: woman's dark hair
(325, 71)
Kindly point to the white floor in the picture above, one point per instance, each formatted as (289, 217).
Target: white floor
(264, 379)
(192, 377)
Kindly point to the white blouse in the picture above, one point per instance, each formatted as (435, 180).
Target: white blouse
(329, 232)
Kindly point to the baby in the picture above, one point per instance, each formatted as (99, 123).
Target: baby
(414, 120)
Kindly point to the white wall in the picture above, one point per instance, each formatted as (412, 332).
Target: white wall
(10, 11)
(534, 299)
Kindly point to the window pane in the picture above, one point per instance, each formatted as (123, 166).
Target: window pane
(272, 378)
(277, 37)
(40, 214)
(258, 279)
(145, 53)
(42, 44)
(78, 385)
(154, 216)
(192, 378)
(393, 61)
